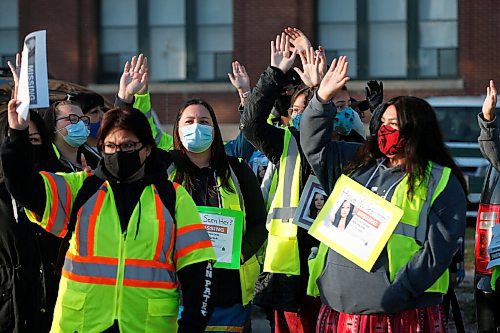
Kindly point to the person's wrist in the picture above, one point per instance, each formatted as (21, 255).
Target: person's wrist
(244, 92)
(323, 96)
(126, 97)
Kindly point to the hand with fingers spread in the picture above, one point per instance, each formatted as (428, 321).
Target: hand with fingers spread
(310, 73)
(240, 80)
(16, 73)
(323, 64)
(298, 39)
(281, 55)
(134, 78)
(15, 119)
(334, 79)
(490, 102)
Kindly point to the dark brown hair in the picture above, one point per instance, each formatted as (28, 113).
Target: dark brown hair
(218, 157)
(424, 142)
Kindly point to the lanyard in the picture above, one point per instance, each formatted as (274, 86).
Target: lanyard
(390, 187)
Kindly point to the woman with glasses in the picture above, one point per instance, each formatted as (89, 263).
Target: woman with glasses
(69, 130)
(135, 236)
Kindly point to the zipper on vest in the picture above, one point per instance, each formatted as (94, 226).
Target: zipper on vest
(119, 278)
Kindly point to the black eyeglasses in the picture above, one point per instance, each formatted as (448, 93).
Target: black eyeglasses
(74, 119)
(126, 147)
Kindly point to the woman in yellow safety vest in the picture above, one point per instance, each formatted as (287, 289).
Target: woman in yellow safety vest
(406, 163)
(137, 236)
(228, 185)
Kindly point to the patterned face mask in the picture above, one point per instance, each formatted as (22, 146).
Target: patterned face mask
(344, 120)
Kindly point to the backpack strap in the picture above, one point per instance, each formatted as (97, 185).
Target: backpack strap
(89, 187)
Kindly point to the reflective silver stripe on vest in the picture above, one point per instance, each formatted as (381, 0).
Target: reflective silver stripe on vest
(282, 213)
(159, 132)
(84, 222)
(62, 213)
(149, 274)
(170, 169)
(167, 235)
(286, 212)
(238, 189)
(419, 232)
(90, 269)
(190, 238)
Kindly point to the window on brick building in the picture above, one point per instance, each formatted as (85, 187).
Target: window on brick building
(391, 38)
(185, 40)
(9, 34)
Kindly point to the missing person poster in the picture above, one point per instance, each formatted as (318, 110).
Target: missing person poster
(494, 247)
(33, 81)
(225, 228)
(311, 202)
(356, 222)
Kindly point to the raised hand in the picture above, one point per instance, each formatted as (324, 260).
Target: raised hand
(239, 79)
(15, 119)
(281, 55)
(298, 39)
(323, 64)
(16, 73)
(490, 102)
(144, 70)
(134, 78)
(334, 79)
(311, 68)
(374, 92)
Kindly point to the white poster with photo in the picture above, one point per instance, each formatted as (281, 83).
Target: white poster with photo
(311, 202)
(33, 89)
(356, 223)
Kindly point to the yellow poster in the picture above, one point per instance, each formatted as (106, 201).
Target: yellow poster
(356, 222)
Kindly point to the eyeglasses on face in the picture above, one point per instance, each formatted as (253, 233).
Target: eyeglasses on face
(126, 147)
(74, 118)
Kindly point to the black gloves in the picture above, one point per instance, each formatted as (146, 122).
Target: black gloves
(375, 121)
(374, 93)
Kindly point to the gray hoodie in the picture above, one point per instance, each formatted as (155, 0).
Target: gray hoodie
(343, 285)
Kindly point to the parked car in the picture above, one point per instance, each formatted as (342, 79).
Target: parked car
(457, 116)
(487, 300)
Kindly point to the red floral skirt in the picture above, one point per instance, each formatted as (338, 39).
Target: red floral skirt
(422, 320)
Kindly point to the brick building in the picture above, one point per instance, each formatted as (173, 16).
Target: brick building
(419, 47)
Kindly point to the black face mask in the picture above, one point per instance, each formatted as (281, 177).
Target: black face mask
(123, 165)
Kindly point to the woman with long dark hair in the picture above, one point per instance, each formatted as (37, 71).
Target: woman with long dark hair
(405, 162)
(214, 179)
(317, 203)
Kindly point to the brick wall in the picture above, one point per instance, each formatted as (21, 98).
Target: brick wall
(72, 45)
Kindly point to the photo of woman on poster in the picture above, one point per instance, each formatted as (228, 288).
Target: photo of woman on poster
(343, 216)
(317, 203)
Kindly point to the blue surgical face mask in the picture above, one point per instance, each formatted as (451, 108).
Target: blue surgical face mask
(344, 120)
(296, 120)
(77, 134)
(94, 128)
(196, 137)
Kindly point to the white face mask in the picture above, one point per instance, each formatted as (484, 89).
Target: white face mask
(196, 138)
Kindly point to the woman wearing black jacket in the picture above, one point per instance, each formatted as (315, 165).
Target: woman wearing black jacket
(28, 281)
(211, 177)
